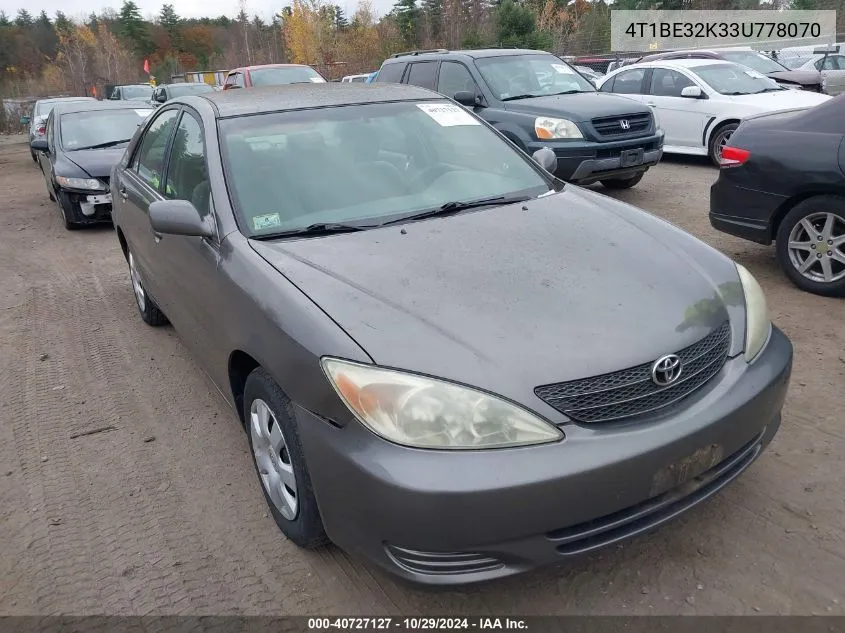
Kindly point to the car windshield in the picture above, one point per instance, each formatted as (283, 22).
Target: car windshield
(365, 164)
(282, 76)
(732, 79)
(794, 62)
(137, 92)
(84, 130)
(524, 76)
(752, 59)
(183, 90)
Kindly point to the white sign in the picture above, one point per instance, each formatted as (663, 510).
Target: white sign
(448, 115)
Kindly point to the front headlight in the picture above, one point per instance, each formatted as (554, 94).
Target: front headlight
(429, 413)
(549, 128)
(757, 322)
(81, 183)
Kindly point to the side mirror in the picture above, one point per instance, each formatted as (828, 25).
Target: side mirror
(692, 92)
(466, 98)
(161, 97)
(178, 217)
(39, 145)
(546, 158)
(25, 120)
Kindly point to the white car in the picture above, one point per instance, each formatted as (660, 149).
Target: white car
(700, 102)
(352, 79)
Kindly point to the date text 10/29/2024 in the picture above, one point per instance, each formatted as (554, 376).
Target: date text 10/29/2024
(422, 623)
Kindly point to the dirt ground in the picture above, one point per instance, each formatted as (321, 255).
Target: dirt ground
(163, 514)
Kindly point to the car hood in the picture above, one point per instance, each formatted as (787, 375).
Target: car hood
(97, 163)
(802, 77)
(780, 100)
(582, 106)
(508, 299)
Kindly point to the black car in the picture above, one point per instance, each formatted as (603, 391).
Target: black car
(165, 92)
(783, 180)
(537, 100)
(84, 140)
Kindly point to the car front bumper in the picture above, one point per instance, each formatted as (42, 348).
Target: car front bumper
(88, 207)
(441, 517)
(584, 162)
(757, 208)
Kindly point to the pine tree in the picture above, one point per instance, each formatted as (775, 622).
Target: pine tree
(24, 19)
(4, 19)
(133, 30)
(340, 21)
(45, 35)
(63, 25)
(406, 14)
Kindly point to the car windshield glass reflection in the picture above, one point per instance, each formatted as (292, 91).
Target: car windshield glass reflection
(85, 130)
(730, 79)
(283, 76)
(794, 62)
(189, 89)
(524, 76)
(137, 92)
(756, 61)
(365, 165)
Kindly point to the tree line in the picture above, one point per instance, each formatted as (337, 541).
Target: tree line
(45, 54)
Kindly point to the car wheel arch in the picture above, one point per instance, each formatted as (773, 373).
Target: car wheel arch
(124, 247)
(241, 365)
(789, 204)
(715, 127)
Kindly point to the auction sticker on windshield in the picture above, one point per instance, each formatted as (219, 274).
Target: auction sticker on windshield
(448, 115)
(563, 70)
(267, 221)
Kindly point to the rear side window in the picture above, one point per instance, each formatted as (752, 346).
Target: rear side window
(422, 74)
(391, 73)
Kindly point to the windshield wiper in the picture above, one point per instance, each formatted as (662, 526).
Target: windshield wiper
(102, 145)
(567, 92)
(778, 89)
(525, 96)
(456, 206)
(736, 93)
(320, 228)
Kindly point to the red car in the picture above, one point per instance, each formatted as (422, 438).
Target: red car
(271, 75)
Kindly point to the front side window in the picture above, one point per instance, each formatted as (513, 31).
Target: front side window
(730, 79)
(422, 74)
(512, 77)
(629, 82)
(382, 162)
(283, 76)
(668, 83)
(454, 77)
(187, 176)
(98, 129)
(149, 160)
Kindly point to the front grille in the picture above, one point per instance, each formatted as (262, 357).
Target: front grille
(612, 125)
(439, 563)
(631, 392)
(645, 516)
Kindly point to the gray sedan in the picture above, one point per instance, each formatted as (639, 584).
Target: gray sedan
(446, 360)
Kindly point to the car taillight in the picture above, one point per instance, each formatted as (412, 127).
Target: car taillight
(733, 156)
(41, 130)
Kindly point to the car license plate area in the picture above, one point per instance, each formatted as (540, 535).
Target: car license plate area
(631, 157)
(100, 199)
(686, 470)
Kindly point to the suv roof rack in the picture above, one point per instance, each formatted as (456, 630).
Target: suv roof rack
(433, 50)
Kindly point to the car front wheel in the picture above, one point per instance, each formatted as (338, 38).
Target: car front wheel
(280, 462)
(150, 312)
(623, 183)
(811, 245)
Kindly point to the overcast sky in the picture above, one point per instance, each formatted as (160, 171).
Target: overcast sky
(185, 8)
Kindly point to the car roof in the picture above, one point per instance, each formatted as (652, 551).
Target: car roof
(476, 53)
(679, 63)
(257, 66)
(303, 96)
(89, 106)
(65, 99)
(127, 85)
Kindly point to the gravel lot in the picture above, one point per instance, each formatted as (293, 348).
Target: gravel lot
(162, 513)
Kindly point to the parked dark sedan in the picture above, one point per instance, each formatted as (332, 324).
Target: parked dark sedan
(83, 141)
(446, 359)
(783, 180)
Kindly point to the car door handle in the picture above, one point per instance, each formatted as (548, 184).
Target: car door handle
(123, 193)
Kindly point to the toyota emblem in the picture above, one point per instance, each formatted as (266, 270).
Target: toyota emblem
(624, 124)
(666, 370)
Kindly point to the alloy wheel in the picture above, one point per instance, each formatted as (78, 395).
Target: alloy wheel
(817, 247)
(722, 141)
(137, 286)
(270, 450)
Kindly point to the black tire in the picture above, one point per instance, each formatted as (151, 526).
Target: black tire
(34, 157)
(834, 205)
(150, 312)
(306, 527)
(52, 197)
(67, 211)
(723, 132)
(623, 183)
